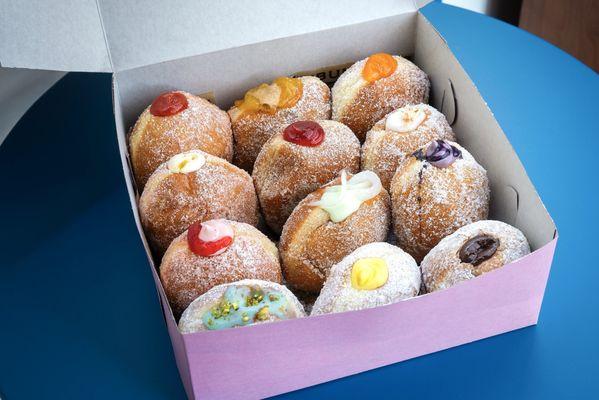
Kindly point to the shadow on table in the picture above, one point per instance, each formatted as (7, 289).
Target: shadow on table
(79, 307)
(56, 162)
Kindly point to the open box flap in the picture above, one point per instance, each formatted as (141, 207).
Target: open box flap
(113, 35)
(51, 35)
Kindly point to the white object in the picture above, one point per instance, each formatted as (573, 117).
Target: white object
(405, 119)
(185, 163)
(341, 201)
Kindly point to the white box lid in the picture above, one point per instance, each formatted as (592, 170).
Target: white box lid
(115, 35)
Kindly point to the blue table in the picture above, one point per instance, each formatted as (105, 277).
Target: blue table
(79, 316)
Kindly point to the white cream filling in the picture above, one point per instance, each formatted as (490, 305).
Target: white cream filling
(185, 163)
(405, 119)
(340, 201)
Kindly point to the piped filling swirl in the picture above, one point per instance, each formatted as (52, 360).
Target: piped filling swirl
(340, 201)
(439, 153)
(210, 238)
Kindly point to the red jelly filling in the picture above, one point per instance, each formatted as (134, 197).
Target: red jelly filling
(168, 104)
(304, 133)
(202, 248)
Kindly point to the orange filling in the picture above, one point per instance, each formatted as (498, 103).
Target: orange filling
(291, 91)
(379, 65)
(282, 93)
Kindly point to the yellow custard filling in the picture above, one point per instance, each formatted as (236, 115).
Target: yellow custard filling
(369, 273)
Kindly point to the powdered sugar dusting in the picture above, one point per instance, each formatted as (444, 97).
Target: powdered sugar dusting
(338, 295)
(171, 202)
(185, 275)
(430, 203)
(191, 320)
(442, 267)
(311, 244)
(285, 173)
(385, 149)
(202, 125)
(360, 104)
(251, 131)
(346, 87)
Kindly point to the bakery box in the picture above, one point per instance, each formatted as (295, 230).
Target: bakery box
(221, 50)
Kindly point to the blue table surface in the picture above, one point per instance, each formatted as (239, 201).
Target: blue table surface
(79, 316)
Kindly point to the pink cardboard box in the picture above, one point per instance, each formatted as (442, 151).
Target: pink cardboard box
(151, 48)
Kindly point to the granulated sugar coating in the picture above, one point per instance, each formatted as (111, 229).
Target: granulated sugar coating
(185, 275)
(430, 203)
(338, 295)
(285, 172)
(385, 149)
(359, 104)
(201, 126)
(442, 267)
(171, 202)
(311, 243)
(251, 131)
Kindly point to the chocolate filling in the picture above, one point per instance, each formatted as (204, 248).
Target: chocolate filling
(478, 249)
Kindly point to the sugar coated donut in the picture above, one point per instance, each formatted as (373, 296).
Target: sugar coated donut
(437, 190)
(268, 108)
(212, 253)
(176, 122)
(330, 223)
(375, 86)
(194, 186)
(242, 303)
(298, 160)
(372, 275)
(470, 251)
(398, 135)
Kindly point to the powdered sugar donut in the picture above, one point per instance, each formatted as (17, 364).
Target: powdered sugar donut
(373, 275)
(213, 253)
(330, 223)
(242, 303)
(194, 186)
(267, 109)
(470, 251)
(176, 122)
(437, 190)
(298, 160)
(398, 135)
(375, 86)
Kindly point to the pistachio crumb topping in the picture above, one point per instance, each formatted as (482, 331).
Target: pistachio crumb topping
(263, 314)
(244, 305)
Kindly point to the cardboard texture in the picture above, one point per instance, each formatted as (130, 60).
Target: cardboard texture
(235, 363)
(62, 36)
(328, 74)
(113, 35)
(222, 72)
